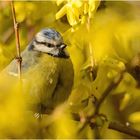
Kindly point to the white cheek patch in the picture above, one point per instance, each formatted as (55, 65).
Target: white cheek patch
(42, 48)
(45, 49)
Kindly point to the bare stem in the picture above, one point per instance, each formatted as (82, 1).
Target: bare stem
(16, 28)
(112, 86)
(90, 53)
(124, 129)
(115, 126)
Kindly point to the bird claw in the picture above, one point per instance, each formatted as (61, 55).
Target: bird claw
(37, 115)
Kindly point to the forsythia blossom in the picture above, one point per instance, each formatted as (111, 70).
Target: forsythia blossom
(77, 10)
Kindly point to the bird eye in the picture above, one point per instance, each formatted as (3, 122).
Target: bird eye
(49, 45)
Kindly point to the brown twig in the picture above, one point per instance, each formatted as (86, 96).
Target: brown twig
(112, 125)
(112, 86)
(92, 76)
(124, 129)
(16, 28)
(92, 68)
(116, 126)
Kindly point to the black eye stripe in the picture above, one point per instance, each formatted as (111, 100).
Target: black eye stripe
(44, 43)
(58, 45)
(50, 45)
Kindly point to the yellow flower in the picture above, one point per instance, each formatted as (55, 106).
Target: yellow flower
(75, 10)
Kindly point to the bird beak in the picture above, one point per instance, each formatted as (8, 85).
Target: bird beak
(63, 51)
(63, 46)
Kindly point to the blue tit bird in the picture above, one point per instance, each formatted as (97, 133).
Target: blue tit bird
(47, 71)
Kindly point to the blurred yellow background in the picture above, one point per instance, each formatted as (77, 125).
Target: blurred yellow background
(102, 36)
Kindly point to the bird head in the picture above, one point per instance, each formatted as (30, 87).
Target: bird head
(51, 42)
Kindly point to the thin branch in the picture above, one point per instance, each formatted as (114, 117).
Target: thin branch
(112, 86)
(124, 129)
(112, 125)
(115, 126)
(92, 75)
(16, 28)
(92, 72)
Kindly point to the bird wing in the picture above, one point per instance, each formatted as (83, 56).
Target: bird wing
(41, 81)
(40, 76)
(29, 58)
